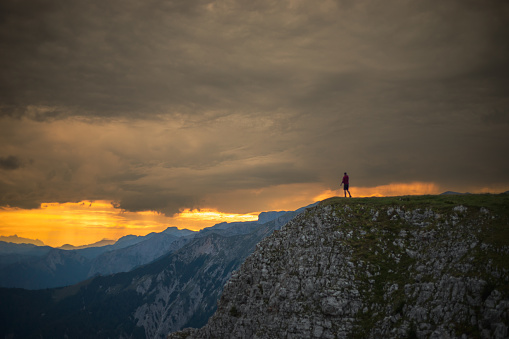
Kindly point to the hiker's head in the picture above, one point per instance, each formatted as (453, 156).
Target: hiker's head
(345, 173)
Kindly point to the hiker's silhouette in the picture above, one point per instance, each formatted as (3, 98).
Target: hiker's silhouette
(346, 183)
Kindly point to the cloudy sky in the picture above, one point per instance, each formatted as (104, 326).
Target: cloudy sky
(245, 106)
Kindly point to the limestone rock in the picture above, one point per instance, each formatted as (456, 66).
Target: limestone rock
(342, 271)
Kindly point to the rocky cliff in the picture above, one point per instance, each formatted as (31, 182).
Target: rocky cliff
(411, 267)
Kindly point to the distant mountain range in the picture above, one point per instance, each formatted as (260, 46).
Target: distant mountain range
(179, 289)
(36, 267)
(19, 240)
(453, 193)
(100, 243)
(24, 265)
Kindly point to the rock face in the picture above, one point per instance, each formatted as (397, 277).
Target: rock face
(125, 259)
(393, 268)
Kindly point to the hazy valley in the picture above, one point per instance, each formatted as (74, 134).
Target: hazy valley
(179, 289)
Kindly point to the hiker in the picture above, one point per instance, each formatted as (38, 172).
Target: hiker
(345, 188)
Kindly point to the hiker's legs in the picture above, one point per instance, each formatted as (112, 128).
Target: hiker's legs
(348, 194)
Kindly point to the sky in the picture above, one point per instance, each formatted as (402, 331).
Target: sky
(126, 117)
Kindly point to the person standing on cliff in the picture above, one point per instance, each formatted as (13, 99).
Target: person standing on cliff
(346, 184)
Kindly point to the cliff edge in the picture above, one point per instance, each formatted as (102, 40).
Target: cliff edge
(403, 267)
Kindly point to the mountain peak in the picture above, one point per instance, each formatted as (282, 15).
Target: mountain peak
(100, 243)
(269, 216)
(19, 240)
(173, 230)
(374, 268)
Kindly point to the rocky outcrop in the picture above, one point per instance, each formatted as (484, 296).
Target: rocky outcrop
(374, 269)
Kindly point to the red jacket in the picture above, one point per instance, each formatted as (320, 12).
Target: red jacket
(345, 180)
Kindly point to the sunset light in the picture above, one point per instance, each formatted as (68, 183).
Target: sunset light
(213, 216)
(393, 189)
(86, 222)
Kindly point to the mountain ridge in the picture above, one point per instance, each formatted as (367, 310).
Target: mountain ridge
(179, 289)
(100, 243)
(20, 240)
(401, 267)
(30, 267)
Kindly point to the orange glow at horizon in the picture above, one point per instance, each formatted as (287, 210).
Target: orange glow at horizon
(393, 189)
(215, 216)
(87, 222)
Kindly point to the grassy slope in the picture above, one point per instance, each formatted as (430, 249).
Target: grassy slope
(497, 204)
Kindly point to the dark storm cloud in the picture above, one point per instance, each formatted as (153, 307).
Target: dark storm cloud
(152, 57)
(91, 57)
(166, 203)
(10, 163)
(129, 58)
(162, 104)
